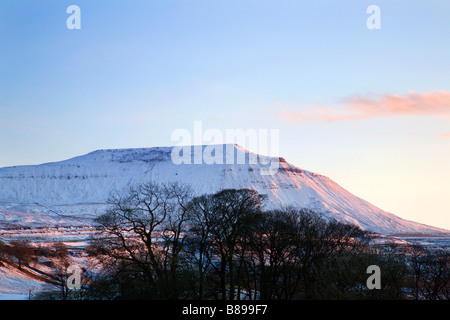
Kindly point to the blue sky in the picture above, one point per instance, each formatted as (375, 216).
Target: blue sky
(138, 70)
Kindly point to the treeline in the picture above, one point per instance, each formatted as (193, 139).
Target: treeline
(159, 242)
(16, 253)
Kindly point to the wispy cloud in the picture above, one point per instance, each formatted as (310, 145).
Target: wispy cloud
(361, 107)
(445, 135)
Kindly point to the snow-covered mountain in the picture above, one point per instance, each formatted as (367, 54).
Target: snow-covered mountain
(72, 191)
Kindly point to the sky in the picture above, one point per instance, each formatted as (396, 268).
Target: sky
(367, 107)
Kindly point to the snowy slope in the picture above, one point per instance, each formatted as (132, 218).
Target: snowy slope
(66, 192)
(15, 285)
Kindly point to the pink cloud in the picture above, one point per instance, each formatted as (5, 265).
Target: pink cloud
(445, 135)
(364, 107)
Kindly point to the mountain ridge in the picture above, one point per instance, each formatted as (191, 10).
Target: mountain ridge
(75, 184)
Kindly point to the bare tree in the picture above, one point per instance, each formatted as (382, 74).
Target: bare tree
(144, 229)
(22, 251)
(271, 246)
(199, 246)
(222, 222)
(61, 261)
(435, 275)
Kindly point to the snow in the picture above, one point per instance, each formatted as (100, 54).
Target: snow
(15, 285)
(13, 296)
(60, 192)
(73, 191)
(57, 201)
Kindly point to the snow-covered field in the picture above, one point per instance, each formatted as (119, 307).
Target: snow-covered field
(15, 285)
